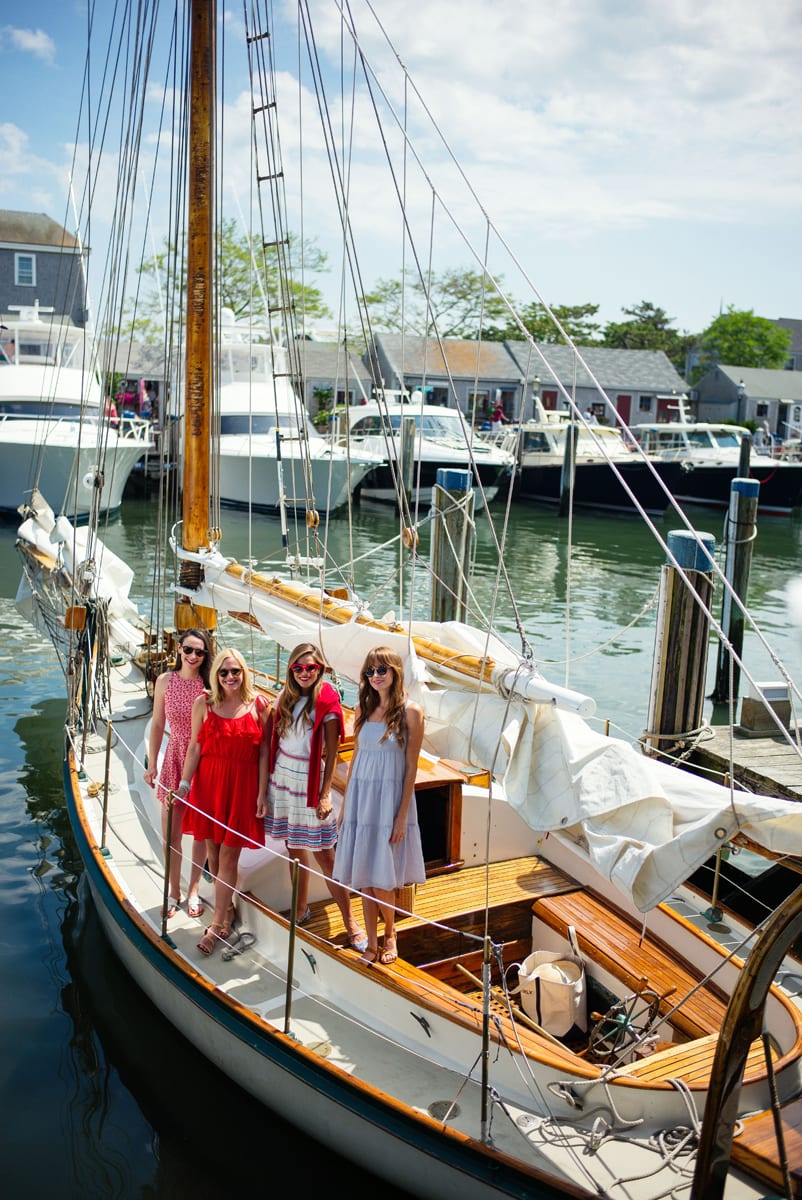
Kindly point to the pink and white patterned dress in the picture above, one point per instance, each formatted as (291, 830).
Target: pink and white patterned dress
(179, 696)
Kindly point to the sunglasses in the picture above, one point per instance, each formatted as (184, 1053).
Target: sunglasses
(195, 651)
(371, 671)
(304, 668)
(234, 672)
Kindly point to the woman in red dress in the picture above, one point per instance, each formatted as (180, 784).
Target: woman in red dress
(225, 776)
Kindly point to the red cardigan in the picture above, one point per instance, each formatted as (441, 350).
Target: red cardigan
(327, 702)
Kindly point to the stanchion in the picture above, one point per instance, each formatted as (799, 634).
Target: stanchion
(167, 852)
(485, 1034)
(106, 789)
(296, 866)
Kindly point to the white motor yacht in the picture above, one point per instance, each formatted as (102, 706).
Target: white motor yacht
(270, 452)
(699, 459)
(55, 434)
(437, 438)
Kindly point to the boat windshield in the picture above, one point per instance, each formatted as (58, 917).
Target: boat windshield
(433, 425)
(535, 442)
(41, 408)
(265, 423)
(700, 439)
(727, 439)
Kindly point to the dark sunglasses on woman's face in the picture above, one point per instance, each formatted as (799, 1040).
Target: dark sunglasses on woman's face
(302, 668)
(234, 672)
(371, 671)
(196, 651)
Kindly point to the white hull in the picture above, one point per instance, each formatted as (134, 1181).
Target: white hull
(249, 474)
(59, 459)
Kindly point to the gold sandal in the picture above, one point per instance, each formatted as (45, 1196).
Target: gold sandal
(210, 938)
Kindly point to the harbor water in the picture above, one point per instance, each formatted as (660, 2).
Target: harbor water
(100, 1096)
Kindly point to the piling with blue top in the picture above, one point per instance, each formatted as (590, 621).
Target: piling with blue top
(676, 700)
(740, 538)
(453, 533)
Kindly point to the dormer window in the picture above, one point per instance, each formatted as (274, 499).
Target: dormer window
(25, 270)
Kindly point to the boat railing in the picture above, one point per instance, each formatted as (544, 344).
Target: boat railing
(135, 429)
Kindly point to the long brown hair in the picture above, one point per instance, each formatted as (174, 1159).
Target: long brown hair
(246, 689)
(291, 692)
(368, 701)
(206, 661)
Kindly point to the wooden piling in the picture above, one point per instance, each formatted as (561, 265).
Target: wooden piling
(568, 468)
(676, 700)
(744, 456)
(407, 449)
(741, 525)
(451, 544)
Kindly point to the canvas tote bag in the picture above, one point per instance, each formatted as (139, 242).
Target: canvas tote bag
(553, 989)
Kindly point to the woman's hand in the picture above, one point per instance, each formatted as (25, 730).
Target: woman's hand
(324, 809)
(261, 808)
(399, 829)
(150, 777)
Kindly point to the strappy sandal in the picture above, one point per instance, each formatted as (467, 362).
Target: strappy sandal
(228, 925)
(390, 952)
(195, 907)
(210, 938)
(173, 905)
(370, 956)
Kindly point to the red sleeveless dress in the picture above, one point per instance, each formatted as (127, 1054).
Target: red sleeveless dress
(225, 785)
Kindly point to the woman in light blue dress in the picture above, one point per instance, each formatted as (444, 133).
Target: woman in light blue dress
(379, 845)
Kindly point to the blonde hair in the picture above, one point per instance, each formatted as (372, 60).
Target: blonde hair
(246, 689)
(291, 692)
(395, 718)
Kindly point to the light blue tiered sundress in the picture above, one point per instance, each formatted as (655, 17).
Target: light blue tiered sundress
(365, 858)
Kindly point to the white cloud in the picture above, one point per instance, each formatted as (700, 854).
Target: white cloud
(31, 41)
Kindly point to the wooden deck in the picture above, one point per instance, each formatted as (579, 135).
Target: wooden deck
(755, 1147)
(457, 901)
(767, 766)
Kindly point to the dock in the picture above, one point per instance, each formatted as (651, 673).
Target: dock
(764, 764)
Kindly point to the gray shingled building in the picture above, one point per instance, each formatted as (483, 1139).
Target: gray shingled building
(641, 384)
(40, 267)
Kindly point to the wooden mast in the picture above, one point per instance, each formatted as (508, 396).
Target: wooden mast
(199, 300)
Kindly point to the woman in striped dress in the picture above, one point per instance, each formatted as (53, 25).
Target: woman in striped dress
(307, 725)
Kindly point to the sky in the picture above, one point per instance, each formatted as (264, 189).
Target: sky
(617, 151)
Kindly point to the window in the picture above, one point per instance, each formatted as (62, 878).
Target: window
(761, 410)
(25, 270)
(644, 404)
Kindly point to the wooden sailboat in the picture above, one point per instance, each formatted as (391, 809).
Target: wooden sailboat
(539, 836)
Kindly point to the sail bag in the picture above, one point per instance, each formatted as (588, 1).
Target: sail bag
(553, 989)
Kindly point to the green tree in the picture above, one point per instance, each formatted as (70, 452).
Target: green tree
(740, 339)
(575, 319)
(238, 287)
(649, 328)
(459, 302)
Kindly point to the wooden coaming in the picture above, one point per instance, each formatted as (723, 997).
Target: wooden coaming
(607, 936)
